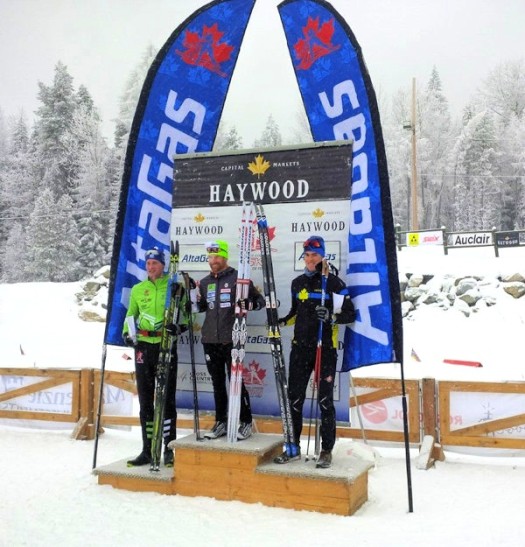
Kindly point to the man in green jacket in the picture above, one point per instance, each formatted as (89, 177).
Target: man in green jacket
(146, 306)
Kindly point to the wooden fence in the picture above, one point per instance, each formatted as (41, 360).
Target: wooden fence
(430, 409)
(484, 431)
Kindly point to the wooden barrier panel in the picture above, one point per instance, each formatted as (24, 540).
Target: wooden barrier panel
(41, 389)
(120, 380)
(381, 389)
(445, 428)
(479, 428)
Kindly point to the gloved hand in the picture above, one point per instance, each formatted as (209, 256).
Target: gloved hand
(323, 313)
(281, 321)
(245, 304)
(177, 290)
(129, 341)
(173, 329)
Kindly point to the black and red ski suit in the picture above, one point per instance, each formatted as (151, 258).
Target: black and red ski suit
(306, 291)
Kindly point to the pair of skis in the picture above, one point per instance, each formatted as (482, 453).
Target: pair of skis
(274, 333)
(239, 331)
(172, 309)
(252, 213)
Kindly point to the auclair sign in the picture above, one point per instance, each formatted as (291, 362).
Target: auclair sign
(475, 239)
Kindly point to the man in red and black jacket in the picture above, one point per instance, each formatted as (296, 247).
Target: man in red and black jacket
(306, 312)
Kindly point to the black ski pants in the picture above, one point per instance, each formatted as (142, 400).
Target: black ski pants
(302, 363)
(146, 360)
(219, 361)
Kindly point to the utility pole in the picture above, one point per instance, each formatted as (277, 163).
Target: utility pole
(414, 224)
(413, 191)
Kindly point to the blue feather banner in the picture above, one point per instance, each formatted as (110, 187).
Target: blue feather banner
(178, 112)
(340, 103)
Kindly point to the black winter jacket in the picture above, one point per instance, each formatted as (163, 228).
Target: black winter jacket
(217, 299)
(305, 297)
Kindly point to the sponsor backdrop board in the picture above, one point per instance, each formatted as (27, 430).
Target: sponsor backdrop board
(305, 191)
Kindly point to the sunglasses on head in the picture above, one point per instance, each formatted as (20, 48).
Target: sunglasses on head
(315, 243)
(212, 248)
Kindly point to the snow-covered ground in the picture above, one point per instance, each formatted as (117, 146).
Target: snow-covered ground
(48, 495)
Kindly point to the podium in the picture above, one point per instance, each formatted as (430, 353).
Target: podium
(244, 471)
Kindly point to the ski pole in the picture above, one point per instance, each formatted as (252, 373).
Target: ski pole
(317, 367)
(100, 395)
(196, 423)
(314, 394)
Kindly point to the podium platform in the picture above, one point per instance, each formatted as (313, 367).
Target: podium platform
(244, 471)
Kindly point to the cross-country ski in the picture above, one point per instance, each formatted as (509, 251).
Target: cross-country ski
(291, 450)
(239, 331)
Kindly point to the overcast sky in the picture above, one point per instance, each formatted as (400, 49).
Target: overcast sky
(102, 41)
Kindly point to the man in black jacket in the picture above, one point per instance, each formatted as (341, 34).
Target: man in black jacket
(217, 293)
(306, 312)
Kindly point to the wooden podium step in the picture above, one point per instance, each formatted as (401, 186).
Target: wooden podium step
(244, 471)
(136, 479)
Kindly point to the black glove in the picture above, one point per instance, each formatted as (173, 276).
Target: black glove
(323, 314)
(245, 304)
(129, 341)
(173, 329)
(281, 322)
(177, 290)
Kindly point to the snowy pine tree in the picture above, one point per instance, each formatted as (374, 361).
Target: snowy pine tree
(55, 116)
(230, 140)
(435, 134)
(14, 249)
(3, 136)
(130, 97)
(301, 132)
(271, 136)
(503, 95)
(92, 231)
(92, 193)
(398, 151)
(16, 190)
(477, 187)
(52, 240)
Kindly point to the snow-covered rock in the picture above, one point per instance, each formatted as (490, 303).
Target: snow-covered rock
(93, 296)
(515, 288)
(464, 293)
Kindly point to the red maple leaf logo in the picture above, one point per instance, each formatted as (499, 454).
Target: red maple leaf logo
(316, 43)
(257, 244)
(253, 374)
(206, 50)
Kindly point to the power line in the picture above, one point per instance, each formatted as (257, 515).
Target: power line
(461, 175)
(79, 213)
